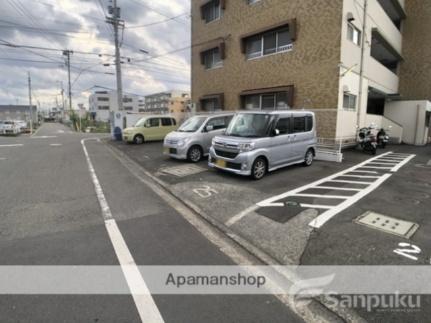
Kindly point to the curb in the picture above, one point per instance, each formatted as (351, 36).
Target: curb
(315, 311)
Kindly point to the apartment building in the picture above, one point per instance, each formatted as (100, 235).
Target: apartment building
(102, 103)
(353, 62)
(160, 103)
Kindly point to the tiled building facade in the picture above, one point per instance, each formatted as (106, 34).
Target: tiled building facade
(344, 59)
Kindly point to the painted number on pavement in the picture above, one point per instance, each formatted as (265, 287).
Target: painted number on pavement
(408, 250)
(205, 191)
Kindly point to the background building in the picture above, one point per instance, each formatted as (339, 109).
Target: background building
(160, 103)
(101, 103)
(351, 61)
(18, 112)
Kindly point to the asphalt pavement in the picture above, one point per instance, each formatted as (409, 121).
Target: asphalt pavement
(394, 184)
(51, 215)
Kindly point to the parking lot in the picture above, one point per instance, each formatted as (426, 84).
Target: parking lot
(310, 215)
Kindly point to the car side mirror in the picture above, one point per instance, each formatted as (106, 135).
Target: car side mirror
(276, 132)
(209, 128)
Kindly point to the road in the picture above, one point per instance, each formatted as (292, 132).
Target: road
(51, 214)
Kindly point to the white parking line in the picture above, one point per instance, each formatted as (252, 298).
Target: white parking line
(391, 160)
(359, 193)
(271, 201)
(376, 167)
(396, 168)
(14, 145)
(316, 206)
(56, 145)
(2, 158)
(323, 196)
(337, 188)
(385, 163)
(42, 137)
(349, 182)
(361, 176)
(144, 302)
(324, 217)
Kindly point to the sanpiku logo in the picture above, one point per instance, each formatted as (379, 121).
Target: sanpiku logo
(381, 303)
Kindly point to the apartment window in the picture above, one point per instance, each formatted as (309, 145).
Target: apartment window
(212, 10)
(212, 58)
(210, 105)
(127, 100)
(102, 99)
(214, 102)
(267, 101)
(354, 34)
(349, 101)
(268, 43)
(128, 108)
(103, 107)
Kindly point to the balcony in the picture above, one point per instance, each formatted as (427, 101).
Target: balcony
(383, 52)
(395, 11)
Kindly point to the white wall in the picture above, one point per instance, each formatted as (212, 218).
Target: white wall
(375, 74)
(411, 115)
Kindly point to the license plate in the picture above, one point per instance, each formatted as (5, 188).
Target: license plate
(221, 163)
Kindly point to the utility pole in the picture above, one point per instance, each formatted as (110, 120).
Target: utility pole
(62, 100)
(67, 53)
(116, 22)
(29, 99)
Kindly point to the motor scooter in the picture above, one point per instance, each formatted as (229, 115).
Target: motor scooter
(367, 140)
(382, 138)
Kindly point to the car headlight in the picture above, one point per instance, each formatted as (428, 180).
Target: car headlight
(246, 147)
(181, 142)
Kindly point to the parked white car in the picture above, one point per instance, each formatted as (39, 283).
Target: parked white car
(22, 125)
(8, 127)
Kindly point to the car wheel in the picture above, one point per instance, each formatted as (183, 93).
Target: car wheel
(309, 156)
(259, 168)
(194, 154)
(138, 139)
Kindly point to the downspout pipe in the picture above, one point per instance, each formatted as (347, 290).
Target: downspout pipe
(361, 67)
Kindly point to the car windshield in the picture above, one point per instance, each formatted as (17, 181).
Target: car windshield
(192, 124)
(249, 125)
(141, 122)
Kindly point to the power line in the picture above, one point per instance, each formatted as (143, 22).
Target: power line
(157, 22)
(158, 11)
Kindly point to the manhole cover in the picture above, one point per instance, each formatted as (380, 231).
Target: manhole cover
(182, 171)
(388, 224)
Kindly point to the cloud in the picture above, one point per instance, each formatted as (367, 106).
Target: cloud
(79, 25)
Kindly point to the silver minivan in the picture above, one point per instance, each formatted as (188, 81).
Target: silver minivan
(193, 139)
(262, 141)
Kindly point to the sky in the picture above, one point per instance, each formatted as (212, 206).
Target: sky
(160, 27)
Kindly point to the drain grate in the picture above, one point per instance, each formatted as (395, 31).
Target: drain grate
(388, 224)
